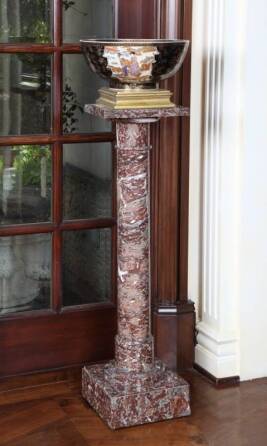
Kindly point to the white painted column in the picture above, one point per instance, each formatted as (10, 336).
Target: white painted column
(253, 201)
(214, 182)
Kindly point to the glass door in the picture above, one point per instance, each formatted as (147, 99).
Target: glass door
(57, 207)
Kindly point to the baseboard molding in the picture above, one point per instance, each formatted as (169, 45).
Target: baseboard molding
(33, 379)
(230, 381)
(217, 352)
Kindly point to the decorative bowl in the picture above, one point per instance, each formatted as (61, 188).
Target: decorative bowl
(134, 63)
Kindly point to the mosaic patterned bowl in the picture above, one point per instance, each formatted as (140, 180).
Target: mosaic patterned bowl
(134, 62)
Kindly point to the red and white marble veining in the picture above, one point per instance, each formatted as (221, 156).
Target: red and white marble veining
(134, 401)
(134, 388)
(139, 113)
(133, 342)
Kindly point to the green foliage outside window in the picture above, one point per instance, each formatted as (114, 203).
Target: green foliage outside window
(71, 106)
(28, 22)
(28, 162)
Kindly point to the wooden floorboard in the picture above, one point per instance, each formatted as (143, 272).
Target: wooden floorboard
(54, 414)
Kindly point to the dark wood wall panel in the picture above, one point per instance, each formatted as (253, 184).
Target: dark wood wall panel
(69, 338)
(185, 151)
(171, 207)
(174, 316)
(136, 18)
(173, 168)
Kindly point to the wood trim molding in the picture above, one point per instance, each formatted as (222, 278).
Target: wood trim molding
(220, 383)
(54, 376)
(174, 331)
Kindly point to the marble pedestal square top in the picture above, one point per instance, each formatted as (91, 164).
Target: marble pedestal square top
(157, 113)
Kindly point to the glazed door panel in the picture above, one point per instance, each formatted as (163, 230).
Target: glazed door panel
(57, 200)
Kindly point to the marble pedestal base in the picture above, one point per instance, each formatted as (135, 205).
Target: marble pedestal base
(135, 388)
(124, 399)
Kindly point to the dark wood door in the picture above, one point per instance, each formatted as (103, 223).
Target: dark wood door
(57, 199)
(57, 211)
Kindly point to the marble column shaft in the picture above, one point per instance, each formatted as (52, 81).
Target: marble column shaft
(134, 346)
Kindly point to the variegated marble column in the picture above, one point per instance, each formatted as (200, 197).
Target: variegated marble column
(134, 344)
(135, 388)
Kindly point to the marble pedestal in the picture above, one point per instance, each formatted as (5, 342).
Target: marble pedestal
(134, 388)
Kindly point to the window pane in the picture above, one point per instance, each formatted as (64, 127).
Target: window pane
(80, 87)
(83, 18)
(25, 273)
(87, 179)
(25, 93)
(25, 21)
(86, 266)
(25, 184)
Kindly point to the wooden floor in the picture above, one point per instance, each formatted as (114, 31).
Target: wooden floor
(49, 411)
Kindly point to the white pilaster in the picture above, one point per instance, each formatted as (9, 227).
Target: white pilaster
(214, 182)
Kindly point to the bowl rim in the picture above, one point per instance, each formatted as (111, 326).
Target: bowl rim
(133, 42)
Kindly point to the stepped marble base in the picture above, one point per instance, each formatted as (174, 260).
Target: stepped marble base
(124, 399)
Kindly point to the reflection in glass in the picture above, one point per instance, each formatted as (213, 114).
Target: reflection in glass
(79, 88)
(25, 273)
(25, 93)
(25, 184)
(25, 21)
(83, 18)
(86, 266)
(87, 180)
